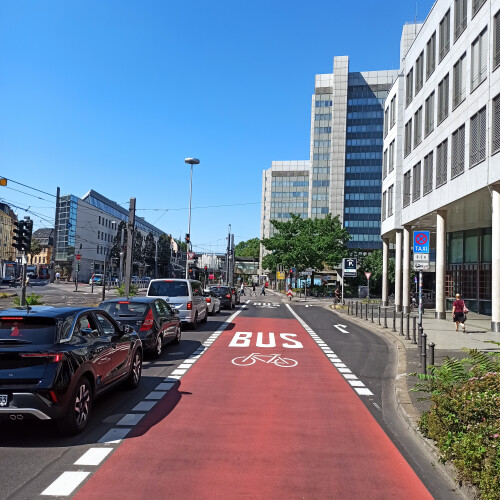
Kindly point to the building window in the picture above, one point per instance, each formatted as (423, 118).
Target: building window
(419, 73)
(459, 81)
(384, 204)
(416, 181)
(409, 87)
(406, 188)
(431, 55)
(442, 163)
(429, 115)
(428, 172)
(477, 147)
(384, 165)
(408, 138)
(386, 121)
(495, 129)
(460, 17)
(444, 36)
(443, 98)
(389, 200)
(458, 152)
(479, 57)
(417, 128)
(476, 5)
(496, 40)
(391, 155)
(393, 111)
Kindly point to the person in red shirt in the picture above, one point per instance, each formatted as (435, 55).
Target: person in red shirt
(459, 312)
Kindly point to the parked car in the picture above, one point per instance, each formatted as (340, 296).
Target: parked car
(55, 360)
(157, 323)
(184, 295)
(235, 291)
(98, 279)
(213, 302)
(227, 299)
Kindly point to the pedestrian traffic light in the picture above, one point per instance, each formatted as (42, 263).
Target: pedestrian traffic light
(206, 268)
(190, 270)
(18, 235)
(188, 238)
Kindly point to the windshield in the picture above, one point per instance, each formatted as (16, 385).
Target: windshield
(220, 290)
(168, 289)
(125, 308)
(22, 330)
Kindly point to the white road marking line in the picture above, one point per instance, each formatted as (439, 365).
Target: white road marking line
(356, 383)
(176, 377)
(344, 370)
(94, 456)
(131, 419)
(339, 365)
(363, 391)
(164, 386)
(185, 366)
(377, 406)
(155, 395)
(144, 405)
(349, 376)
(179, 372)
(191, 361)
(114, 435)
(65, 484)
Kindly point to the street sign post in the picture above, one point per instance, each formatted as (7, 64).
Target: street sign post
(421, 241)
(280, 275)
(421, 244)
(368, 279)
(78, 256)
(349, 268)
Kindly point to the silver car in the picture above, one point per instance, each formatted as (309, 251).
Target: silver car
(186, 296)
(213, 302)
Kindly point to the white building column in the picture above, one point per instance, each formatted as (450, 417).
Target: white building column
(398, 270)
(440, 265)
(495, 259)
(406, 269)
(385, 268)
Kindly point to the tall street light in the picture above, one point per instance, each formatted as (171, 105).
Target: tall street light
(190, 161)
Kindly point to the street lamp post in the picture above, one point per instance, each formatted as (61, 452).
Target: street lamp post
(190, 161)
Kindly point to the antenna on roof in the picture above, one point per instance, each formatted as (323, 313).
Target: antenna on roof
(416, 11)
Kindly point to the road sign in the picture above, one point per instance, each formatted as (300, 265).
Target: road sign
(349, 267)
(368, 275)
(307, 273)
(190, 255)
(421, 241)
(211, 276)
(280, 275)
(421, 257)
(293, 269)
(420, 266)
(78, 256)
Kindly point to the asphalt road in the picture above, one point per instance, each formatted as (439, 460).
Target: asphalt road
(33, 456)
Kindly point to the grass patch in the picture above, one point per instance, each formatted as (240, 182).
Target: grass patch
(31, 300)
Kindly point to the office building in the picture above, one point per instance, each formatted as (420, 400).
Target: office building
(442, 121)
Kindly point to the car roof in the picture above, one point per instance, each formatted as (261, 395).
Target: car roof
(146, 300)
(45, 312)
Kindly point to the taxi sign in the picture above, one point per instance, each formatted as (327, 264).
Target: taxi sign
(421, 241)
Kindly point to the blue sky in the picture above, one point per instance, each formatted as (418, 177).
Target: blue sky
(113, 95)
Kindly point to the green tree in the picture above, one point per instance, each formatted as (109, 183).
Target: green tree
(306, 243)
(149, 252)
(373, 263)
(163, 256)
(35, 249)
(249, 248)
(137, 255)
(116, 248)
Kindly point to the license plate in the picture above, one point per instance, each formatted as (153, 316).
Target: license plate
(3, 399)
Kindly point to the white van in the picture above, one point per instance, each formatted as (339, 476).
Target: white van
(186, 296)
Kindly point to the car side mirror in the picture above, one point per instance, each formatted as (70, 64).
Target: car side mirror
(176, 312)
(127, 329)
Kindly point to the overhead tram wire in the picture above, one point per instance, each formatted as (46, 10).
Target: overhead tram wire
(29, 187)
(194, 208)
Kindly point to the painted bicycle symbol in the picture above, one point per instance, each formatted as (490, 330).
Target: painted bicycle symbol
(275, 359)
(421, 239)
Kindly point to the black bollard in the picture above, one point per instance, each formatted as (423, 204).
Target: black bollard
(379, 310)
(414, 341)
(366, 312)
(394, 320)
(424, 353)
(356, 309)
(420, 332)
(372, 314)
(401, 332)
(348, 309)
(408, 326)
(385, 317)
(432, 345)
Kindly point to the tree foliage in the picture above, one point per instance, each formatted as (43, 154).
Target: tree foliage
(306, 243)
(35, 249)
(249, 248)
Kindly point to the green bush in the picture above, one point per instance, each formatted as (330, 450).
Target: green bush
(464, 419)
(31, 300)
(133, 290)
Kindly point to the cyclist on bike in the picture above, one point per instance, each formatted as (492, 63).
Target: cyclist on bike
(337, 295)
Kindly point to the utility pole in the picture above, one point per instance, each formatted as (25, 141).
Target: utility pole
(227, 254)
(122, 253)
(104, 279)
(130, 246)
(156, 259)
(54, 242)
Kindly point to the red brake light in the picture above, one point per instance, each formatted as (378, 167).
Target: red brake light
(124, 302)
(168, 281)
(12, 319)
(148, 322)
(189, 305)
(228, 296)
(208, 299)
(53, 396)
(54, 357)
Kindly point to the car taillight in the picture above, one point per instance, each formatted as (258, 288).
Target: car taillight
(208, 299)
(54, 357)
(189, 305)
(228, 296)
(148, 322)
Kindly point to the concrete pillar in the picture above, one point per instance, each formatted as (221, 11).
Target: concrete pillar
(440, 265)
(385, 268)
(406, 269)
(398, 270)
(495, 259)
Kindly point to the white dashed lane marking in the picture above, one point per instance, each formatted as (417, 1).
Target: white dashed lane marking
(94, 456)
(65, 484)
(356, 384)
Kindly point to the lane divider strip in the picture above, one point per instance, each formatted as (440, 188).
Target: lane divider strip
(356, 384)
(68, 481)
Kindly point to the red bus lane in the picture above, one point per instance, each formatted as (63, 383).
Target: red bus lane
(260, 415)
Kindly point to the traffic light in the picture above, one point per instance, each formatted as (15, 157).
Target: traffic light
(188, 238)
(92, 267)
(28, 231)
(190, 271)
(206, 268)
(77, 266)
(18, 235)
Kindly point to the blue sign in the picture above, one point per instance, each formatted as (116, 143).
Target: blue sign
(421, 241)
(293, 269)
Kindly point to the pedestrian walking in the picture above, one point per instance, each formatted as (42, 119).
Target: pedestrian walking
(242, 289)
(263, 290)
(253, 289)
(459, 312)
(58, 276)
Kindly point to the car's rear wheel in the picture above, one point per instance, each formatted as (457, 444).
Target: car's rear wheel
(135, 370)
(205, 318)
(178, 334)
(159, 344)
(78, 413)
